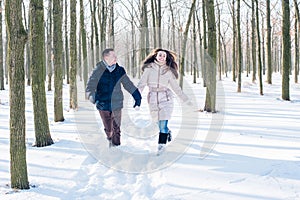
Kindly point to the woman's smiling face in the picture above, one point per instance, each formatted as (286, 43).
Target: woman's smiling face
(161, 56)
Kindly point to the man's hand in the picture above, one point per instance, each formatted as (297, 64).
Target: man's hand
(137, 97)
(137, 103)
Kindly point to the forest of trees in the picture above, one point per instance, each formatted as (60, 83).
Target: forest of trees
(47, 43)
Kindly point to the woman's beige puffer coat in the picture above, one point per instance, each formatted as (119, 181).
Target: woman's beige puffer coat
(160, 98)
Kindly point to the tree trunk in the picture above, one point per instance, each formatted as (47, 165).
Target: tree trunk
(79, 56)
(27, 64)
(111, 25)
(133, 53)
(297, 42)
(184, 43)
(239, 43)
(84, 44)
(15, 59)
(73, 57)
(1, 52)
(210, 99)
(225, 58)
(247, 48)
(253, 38)
(286, 49)
(201, 47)
(204, 42)
(195, 65)
(144, 29)
(92, 54)
(269, 44)
(259, 51)
(58, 68)
(66, 57)
(219, 43)
(263, 54)
(37, 55)
(49, 45)
(6, 66)
(102, 19)
(98, 47)
(154, 20)
(234, 42)
(275, 52)
(158, 20)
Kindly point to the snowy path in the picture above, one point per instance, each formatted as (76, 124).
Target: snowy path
(104, 183)
(256, 157)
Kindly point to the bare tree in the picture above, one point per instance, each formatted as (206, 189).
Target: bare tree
(286, 50)
(37, 54)
(253, 38)
(1, 52)
(239, 44)
(269, 44)
(17, 38)
(204, 41)
(102, 16)
(210, 99)
(111, 24)
(153, 16)
(158, 20)
(92, 47)
(248, 61)
(234, 42)
(200, 45)
(95, 24)
(259, 51)
(83, 44)
(219, 43)
(144, 31)
(66, 54)
(263, 51)
(296, 52)
(58, 68)
(73, 57)
(49, 44)
(297, 29)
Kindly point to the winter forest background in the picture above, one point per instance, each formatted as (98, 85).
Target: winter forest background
(46, 44)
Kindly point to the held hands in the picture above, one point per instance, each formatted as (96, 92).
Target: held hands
(138, 98)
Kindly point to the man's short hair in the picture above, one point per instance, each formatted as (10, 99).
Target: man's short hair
(105, 52)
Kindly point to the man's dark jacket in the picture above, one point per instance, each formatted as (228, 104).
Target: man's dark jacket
(105, 86)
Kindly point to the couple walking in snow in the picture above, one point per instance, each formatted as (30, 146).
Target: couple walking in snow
(160, 72)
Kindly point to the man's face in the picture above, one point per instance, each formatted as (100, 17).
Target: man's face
(111, 58)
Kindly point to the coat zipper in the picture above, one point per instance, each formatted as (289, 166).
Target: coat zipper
(158, 77)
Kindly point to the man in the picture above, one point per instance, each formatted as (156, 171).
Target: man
(104, 90)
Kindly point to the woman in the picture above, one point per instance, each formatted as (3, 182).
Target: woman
(160, 72)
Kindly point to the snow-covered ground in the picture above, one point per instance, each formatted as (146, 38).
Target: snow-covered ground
(250, 149)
